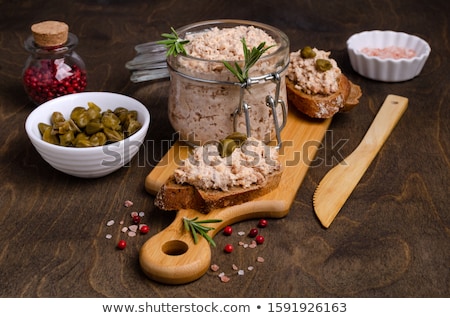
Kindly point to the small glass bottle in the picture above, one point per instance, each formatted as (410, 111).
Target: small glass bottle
(53, 68)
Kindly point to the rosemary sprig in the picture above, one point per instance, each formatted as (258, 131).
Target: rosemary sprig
(250, 58)
(196, 227)
(173, 43)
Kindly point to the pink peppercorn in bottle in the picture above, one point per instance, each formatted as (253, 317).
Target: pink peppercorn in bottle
(53, 68)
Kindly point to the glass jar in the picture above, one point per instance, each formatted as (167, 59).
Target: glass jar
(206, 101)
(53, 68)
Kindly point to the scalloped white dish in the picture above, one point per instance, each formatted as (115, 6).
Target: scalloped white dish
(387, 69)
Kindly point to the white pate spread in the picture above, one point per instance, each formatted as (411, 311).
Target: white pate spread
(248, 165)
(225, 44)
(308, 79)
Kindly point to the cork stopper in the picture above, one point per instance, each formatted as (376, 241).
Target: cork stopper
(50, 33)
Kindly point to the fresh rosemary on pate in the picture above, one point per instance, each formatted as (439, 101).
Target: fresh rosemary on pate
(173, 43)
(175, 46)
(250, 59)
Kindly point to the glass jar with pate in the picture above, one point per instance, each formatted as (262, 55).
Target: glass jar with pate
(53, 68)
(206, 100)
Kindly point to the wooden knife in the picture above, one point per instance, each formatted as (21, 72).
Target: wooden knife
(337, 185)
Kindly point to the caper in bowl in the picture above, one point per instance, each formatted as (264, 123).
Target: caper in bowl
(95, 153)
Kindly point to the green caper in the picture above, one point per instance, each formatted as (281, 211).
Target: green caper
(121, 113)
(307, 52)
(238, 137)
(126, 115)
(131, 127)
(84, 143)
(80, 116)
(57, 117)
(112, 135)
(98, 139)
(80, 138)
(62, 127)
(226, 147)
(93, 127)
(90, 127)
(42, 127)
(49, 137)
(73, 126)
(93, 111)
(110, 120)
(323, 65)
(67, 138)
(132, 115)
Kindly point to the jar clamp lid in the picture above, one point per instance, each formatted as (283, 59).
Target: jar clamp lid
(271, 102)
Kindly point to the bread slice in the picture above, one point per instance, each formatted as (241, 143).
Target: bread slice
(325, 106)
(174, 196)
(352, 98)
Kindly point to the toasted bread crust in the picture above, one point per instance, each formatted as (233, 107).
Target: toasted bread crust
(174, 196)
(353, 97)
(324, 106)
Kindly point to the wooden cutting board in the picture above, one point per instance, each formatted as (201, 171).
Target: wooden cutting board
(171, 257)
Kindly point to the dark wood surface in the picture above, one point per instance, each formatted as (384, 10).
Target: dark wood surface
(391, 239)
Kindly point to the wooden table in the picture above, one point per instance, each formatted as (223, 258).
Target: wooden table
(391, 239)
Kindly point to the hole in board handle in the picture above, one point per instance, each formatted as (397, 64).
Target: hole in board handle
(175, 247)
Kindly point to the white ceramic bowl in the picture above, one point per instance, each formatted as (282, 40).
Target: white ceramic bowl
(387, 69)
(91, 162)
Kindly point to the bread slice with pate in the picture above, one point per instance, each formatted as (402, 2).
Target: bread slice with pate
(325, 106)
(207, 180)
(174, 196)
(317, 87)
